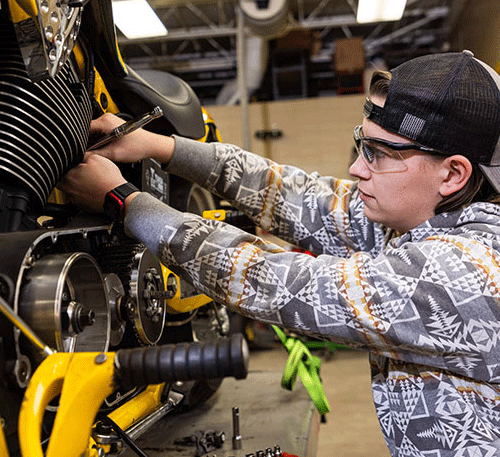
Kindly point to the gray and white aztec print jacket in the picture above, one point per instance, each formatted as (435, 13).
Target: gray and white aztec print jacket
(425, 305)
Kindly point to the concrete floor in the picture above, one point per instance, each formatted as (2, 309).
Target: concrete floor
(352, 428)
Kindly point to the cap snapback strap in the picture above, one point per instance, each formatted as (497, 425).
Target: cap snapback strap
(372, 111)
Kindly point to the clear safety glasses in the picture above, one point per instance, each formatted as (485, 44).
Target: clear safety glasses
(382, 156)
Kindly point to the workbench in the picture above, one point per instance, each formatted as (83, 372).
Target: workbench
(268, 414)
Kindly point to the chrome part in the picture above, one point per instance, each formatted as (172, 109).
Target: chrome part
(22, 371)
(128, 127)
(189, 318)
(64, 301)
(236, 428)
(115, 292)
(47, 39)
(212, 321)
(172, 285)
(147, 291)
(174, 398)
(110, 438)
(222, 317)
(118, 398)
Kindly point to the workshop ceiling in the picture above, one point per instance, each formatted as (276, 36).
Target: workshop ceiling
(201, 44)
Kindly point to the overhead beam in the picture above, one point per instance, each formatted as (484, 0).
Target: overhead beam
(345, 20)
(435, 13)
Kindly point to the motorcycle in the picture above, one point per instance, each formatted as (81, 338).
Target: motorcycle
(73, 285)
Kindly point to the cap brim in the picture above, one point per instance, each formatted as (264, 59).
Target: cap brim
(493, 175)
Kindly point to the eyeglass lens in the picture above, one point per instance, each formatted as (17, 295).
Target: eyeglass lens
(379, 158)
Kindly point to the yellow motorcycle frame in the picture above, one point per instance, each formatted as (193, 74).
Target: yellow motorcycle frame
(83, 381)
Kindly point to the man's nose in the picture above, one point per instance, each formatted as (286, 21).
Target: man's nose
(359, 169)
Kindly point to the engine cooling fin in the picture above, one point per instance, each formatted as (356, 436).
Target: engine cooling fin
(44, 126)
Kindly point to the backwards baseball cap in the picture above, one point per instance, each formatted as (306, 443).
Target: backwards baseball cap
(449, 102)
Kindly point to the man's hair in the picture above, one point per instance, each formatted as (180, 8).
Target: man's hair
(476, 189)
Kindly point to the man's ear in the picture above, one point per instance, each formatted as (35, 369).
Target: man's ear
(456, 172)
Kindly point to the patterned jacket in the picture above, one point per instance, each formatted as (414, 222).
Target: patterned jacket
(426, 305)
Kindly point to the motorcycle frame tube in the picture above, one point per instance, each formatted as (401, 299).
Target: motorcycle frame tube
(178, 304)
(138, 407)
(4, 452)
(209, 123)
(100, 89)
(84, 380)
(22, 12)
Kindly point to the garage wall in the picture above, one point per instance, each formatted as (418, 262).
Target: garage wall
(478, 30)
(316, 132)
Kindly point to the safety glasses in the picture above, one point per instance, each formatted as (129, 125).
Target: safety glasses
(382, 156)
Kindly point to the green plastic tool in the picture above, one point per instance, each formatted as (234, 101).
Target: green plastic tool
(301, 362)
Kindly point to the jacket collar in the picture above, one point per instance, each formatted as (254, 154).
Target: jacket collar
(481, 216)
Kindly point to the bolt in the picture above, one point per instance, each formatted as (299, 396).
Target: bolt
(87, 317)
(30, 261)
(236, 428)
(103, 429)
(171, 285)
(100, 358)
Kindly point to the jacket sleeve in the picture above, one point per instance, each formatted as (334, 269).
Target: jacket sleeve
(390, 304)
(320, 214)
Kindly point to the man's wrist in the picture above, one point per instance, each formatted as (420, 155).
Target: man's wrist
(129, 199)
(167, 147)
(116, 200)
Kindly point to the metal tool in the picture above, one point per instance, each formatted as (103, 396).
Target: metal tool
(127, 127)
(236, 428)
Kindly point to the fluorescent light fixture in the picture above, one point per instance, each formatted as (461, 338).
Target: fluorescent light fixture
(380, 10)
(136, 19)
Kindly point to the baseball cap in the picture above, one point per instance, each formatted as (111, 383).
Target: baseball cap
(449, 102)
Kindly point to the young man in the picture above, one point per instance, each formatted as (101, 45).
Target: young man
(408, 255)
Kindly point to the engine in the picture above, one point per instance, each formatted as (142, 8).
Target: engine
(43, 130)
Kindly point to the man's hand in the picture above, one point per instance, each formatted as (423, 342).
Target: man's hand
(133, 147)
(90, 181)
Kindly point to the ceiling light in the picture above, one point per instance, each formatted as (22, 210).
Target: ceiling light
(380, 10)
(136, 19)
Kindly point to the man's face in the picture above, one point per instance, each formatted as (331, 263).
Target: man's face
(403, 199)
